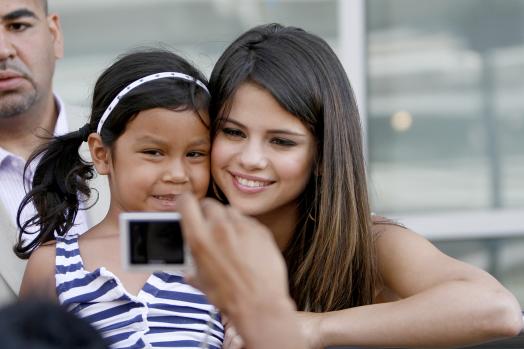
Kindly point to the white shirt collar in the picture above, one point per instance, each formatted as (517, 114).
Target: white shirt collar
(61, 122)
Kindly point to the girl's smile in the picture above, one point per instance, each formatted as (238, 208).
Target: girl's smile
(161, 154)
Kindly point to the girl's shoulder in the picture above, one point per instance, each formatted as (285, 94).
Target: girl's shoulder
(46, 251)
(39, 275)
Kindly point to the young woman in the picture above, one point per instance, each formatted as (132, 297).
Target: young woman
(287, 150)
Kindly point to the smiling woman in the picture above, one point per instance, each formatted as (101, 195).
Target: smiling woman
(287, 150)
(262, 156)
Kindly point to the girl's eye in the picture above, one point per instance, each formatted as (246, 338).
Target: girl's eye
(196, 154)
(233, 132)
(152, 152)
(283, 142)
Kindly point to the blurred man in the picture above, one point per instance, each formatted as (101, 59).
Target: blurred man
(41, 325)
(30, 43)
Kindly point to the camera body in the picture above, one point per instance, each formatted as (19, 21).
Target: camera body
(153, 241)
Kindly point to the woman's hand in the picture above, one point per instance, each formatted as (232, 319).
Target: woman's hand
(310, 326)
(232, 339)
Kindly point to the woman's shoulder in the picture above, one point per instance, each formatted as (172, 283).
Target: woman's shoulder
(392, 235)
(383, 225)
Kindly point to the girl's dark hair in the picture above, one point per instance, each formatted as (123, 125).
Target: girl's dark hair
(330, 257)
(60, 182)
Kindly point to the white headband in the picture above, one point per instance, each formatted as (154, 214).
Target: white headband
(139, 82)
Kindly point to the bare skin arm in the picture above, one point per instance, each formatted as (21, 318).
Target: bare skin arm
(442, 302)
(39, 276)
(242, 272)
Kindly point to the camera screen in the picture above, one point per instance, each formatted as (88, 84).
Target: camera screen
(156, 242)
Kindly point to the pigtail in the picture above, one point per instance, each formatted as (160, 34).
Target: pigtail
(60, 184)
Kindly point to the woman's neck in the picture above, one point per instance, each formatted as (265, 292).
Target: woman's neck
(282, 223)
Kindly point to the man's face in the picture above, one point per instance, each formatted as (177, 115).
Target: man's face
(30, 43)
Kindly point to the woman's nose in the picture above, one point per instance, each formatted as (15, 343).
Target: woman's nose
(253, 156)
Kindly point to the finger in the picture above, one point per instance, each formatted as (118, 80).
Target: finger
(212, 209)
(237, 342)
(192, 280)
(230, 338)
(245, 225)
(225, 320)
(239, 220)
(222, 229)
(193, 221)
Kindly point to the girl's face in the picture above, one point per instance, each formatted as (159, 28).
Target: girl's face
(161, 154)
(262, 155)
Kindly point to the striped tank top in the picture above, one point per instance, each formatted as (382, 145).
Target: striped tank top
(166, 313)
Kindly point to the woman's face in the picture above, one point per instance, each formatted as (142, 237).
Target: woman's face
(262, 155)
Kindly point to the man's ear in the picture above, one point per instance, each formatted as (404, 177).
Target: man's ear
(100, 154)
(53, 22)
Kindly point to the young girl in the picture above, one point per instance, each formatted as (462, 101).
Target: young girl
(287, 149)
(148, 132)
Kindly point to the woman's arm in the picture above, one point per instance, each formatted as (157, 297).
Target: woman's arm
(39, 276)
(442, 301)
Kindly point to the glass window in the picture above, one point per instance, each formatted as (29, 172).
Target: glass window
(97, 31)
(445, 106)
(501, 257)
(446, 123)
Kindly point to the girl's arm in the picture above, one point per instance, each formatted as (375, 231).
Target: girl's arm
(442, 302)
(39, 276)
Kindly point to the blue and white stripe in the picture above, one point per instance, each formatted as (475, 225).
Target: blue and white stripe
(166, 313)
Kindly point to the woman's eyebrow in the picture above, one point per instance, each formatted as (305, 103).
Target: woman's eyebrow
(273, 131)
(233, 121)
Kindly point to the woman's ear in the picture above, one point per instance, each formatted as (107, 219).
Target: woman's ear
(100, 154)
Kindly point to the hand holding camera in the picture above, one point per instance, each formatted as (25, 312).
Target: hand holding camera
(237, 264)
(240, 268)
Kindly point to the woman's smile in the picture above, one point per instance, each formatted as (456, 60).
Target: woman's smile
(263, 155)
(250, 184)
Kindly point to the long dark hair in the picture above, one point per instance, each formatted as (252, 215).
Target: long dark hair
(60, 182)
(331, 257)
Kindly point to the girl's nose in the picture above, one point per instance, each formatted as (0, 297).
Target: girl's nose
(175, 172)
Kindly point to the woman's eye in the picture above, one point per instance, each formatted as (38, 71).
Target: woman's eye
(233, 132)
(283, 142)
